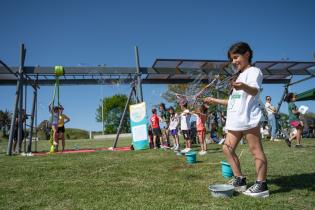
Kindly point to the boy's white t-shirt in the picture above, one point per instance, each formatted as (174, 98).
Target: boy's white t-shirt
(243, 112)
(185, 120)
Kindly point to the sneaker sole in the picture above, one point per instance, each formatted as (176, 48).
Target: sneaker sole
(264, 194)
(240, 188)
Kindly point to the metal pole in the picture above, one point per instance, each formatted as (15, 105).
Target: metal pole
(139, 85)
(17, 100)
(20, 112)
(24, 119)
(285, 91)
(20, 118)
(302, 80)
(123, 115)
(36, 118)
(29, 149)
(13, 119)
(102, 101)
(102, 117)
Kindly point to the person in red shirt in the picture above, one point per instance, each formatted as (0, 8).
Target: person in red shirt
(156, 130)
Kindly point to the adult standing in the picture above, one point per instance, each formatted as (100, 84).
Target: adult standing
(271, 110)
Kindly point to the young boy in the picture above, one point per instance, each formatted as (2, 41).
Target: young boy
(156, 130)
(185, 127)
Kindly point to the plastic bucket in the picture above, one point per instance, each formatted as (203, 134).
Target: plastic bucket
(221, 190)
(226, 169)
(191, 157)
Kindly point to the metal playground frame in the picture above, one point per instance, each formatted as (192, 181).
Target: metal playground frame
(163, 71)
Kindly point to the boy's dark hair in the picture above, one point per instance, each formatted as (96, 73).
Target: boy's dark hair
(171, 108)
(288, 97)
(268, 97)
(162, 105)
(153, 111)
(240, 48)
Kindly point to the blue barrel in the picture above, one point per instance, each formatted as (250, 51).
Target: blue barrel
(191, 157)
(226, 169)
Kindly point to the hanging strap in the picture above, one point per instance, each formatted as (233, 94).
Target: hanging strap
(56, 91)
(59, 71)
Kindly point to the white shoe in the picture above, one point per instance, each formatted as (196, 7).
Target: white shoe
(185, 150)
(202, 152)
(176, 148)
(188, 150)
(221, 141)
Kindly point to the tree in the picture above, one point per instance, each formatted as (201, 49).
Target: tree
(113, 108)
(309, 115)
(43, 130)
(5, 121)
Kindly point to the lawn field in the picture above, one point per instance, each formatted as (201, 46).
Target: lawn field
(150, 179)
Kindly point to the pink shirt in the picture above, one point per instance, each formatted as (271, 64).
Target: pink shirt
(200, 123)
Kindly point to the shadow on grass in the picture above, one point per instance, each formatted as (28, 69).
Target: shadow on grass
(293, 182)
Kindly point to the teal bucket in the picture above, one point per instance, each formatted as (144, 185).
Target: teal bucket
(226, 169)
(191, 157)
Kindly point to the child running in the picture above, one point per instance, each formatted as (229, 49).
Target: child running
(295, 122)
(185, 127)
(174, 121)
(201, 129)
(243, 116)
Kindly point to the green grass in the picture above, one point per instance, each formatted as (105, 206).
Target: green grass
(150, 179)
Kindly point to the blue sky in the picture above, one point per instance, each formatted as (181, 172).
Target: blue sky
(93, 32)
